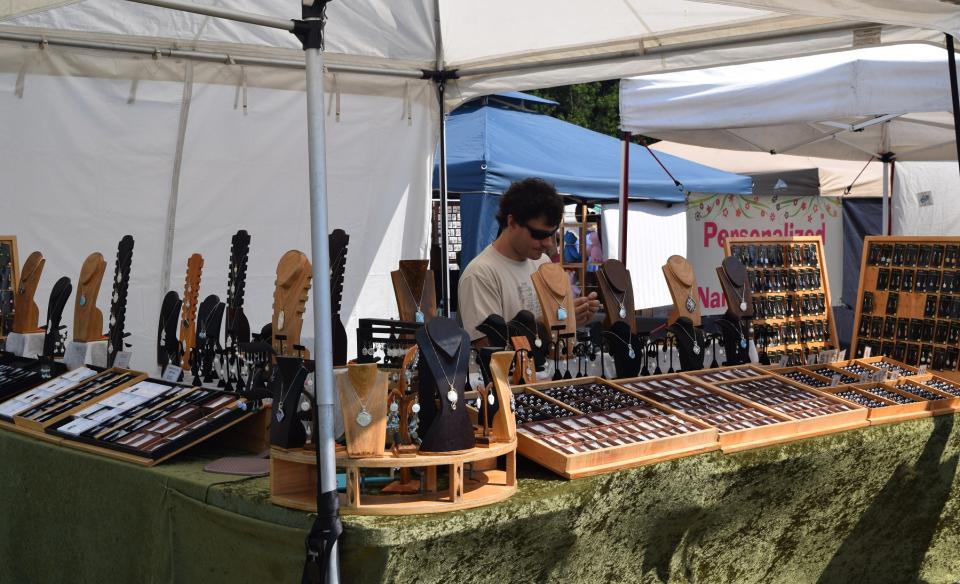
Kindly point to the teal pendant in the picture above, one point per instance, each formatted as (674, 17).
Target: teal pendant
(561, 313)
(419, 316)
(83, 299)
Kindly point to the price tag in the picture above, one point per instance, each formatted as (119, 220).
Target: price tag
(893, 375)
(865, 377)
(835, 380)
(822, 357)
(842, 356)
(784, 360)
(122, 360)
(75, 355)
(880, 376)
(867, 351)
(812, 359)
(922, 370)
(172, 373)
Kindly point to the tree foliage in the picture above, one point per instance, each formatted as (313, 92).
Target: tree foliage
(592, 105)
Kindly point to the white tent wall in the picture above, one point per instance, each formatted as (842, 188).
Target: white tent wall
(937, 215)
(69, 152)
(656, 232)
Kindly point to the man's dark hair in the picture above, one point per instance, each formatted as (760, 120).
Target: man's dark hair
(530, 199)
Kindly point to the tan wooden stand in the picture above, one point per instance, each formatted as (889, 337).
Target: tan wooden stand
(616, 291)
(290, 301)
(910, 304)
(364, 379)
(26, 315)
(293, 481)
(188, 312)
(553, 289)
(87, 318)
(824, 289)
(682, 281)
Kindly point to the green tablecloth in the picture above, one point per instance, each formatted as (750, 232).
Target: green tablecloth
(870, 505)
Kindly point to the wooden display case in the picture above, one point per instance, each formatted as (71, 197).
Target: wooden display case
(9, 279)
(908, 302)
(791, 295)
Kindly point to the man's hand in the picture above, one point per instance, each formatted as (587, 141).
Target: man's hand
(586, 307)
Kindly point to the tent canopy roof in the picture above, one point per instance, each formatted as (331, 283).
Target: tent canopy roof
(851, 105)
(489, 146)
(506, 45)
(823, 176)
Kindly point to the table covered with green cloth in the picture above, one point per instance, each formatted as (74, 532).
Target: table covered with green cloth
(872, 505)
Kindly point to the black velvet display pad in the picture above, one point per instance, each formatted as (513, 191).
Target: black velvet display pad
(617, 338)
(444, 359)
(286, 387)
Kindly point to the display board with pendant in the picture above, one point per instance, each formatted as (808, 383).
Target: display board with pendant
(789, 298)
(908, 305)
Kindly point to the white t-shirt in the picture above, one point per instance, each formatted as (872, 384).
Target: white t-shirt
(492, 283)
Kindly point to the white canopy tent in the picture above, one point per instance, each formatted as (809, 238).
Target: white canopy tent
(888, 103)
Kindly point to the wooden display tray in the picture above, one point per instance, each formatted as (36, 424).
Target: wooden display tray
(582, 464)
(31, 426)
(727, 373)
(910, 304)
(873, 362)
(824, 288)
(732, 440)
(785, 371)
(818, 425)
(891, 413)
(293, 481)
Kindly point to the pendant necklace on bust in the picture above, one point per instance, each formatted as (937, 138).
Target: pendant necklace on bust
(419, 316)
(279, 415)
(23, 279)
(621, 300)
(743, 339)
(536, 334)
(630, 352)
(451, 391)
(691, 304)
(363, 416)
(738, 290)
(693, 337)
(561, 300)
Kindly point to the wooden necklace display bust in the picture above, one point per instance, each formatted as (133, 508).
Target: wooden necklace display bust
(616, 293)
(414, 290)
(682, 282)
(26, 316)
(290, 301)
(553, 290)
(736, 287)
(87, 318)
(363, 401)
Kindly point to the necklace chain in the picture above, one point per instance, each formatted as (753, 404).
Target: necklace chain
(456, 359)
(622, 298)
(410, 290)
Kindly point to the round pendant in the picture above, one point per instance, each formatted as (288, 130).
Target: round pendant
(743, 306)
(419, 316)
(561, 313)
(478, 403)
(743, 343)
(452, 396)
(83, 300)
(280, 320)
(696, 349)
(305, 405)
(490, 399)
(416, 408)
(537, 342)
(394, 407)
(623, 312)
(691, 304)
(364, 418)
(279, 415)
(631, 353)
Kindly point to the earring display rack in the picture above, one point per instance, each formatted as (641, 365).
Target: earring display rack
(908, 304)
(9, 279)
(791, 295)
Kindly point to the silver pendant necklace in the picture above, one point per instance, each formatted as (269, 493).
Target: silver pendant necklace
(536, 335)
(693, 337)
(364, 418)
(620, 301)
(452, 394)
(630, 352)
(279, 415)
(419, 316)
(561, 300)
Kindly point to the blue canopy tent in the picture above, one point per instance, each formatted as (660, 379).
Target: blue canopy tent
(494, 141)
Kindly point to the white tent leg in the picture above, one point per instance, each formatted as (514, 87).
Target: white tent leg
(320, 247)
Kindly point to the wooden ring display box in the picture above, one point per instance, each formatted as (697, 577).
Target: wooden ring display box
(472, 477)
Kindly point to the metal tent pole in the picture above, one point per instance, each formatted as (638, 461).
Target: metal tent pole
(444, 210)
(624, 197)
(952, 63)
(886, 205)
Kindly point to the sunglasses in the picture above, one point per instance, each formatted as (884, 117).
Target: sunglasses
(540, 234)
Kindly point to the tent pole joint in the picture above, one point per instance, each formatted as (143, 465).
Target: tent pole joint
(441, 77)
(309, 31)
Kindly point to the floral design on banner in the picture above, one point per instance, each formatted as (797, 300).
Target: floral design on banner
(773, 208)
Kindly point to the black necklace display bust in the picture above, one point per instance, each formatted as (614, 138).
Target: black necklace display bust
(691, 344)
(444, 362)
(628, 352)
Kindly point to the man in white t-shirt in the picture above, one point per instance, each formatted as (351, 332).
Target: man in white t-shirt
(498, 280)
